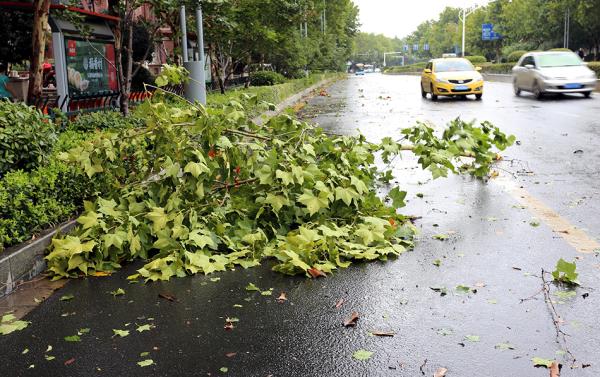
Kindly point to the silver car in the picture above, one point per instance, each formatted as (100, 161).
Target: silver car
(553, 72)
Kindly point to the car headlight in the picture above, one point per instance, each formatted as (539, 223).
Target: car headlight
(441, 80)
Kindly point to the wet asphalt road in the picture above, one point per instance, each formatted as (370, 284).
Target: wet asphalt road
(491, 248)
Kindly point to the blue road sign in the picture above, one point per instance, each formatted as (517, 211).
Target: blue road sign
(426, 47)
(415, 47)
(406, 48)
(488, 33)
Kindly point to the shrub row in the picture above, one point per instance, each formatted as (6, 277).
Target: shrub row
(476, 59)
(33, 201)
(37, 190)
(26, 136)
(266, 78)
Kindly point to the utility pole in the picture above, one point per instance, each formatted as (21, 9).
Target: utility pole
(567, 28)
(195, 88)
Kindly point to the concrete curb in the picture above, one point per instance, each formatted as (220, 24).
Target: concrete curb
(493, 77)
(264, 117)
(27, 261)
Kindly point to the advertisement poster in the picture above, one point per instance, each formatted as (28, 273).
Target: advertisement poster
(90, 67)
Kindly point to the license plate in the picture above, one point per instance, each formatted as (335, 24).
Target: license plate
(573, 86)
(461, 87)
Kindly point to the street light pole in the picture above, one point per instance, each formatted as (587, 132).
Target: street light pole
(464, 12)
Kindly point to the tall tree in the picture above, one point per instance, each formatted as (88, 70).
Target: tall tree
(40, 25)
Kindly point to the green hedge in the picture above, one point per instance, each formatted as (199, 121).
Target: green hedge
(103, 120)
(504, 68)
(266, 78)
(417, 67)
(514, 56)
(595, 66)
(33, 201)
(476, 59)
(271, 94)
(26, 136)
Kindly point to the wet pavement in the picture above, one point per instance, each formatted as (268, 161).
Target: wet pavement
(494, 329)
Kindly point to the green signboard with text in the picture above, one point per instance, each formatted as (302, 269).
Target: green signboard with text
(90, 67)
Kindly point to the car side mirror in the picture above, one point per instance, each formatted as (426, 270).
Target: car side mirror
(585, 63)
(427, 70)
(478, 68)
(529, 66)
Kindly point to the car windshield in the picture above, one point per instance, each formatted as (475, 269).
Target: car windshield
(453, 66)
(558, 60)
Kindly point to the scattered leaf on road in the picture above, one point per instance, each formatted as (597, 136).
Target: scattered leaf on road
(26, 350)
(504, 346)
(143, 328)
(362, 354)
(73, 338)
(70, 361)
(464, 289)
(167, 296)
(472, 338)
(437, 262)
(565, 272)
(339, 303)
(441, 372)
(49, 357)
(383, 333)
(269, 292)
(554, 369)
(534, 222)
(252, 287)
(9, 323)
(541, 362)
(214, 280)
(67, 297)
(145, 363)
(440, 237)
(442, 290)
(282, 298)
(230, 354)
(118, 292)
(314, 273)
(445, 332)
(121, 333)
(224, 369)
(351, 322)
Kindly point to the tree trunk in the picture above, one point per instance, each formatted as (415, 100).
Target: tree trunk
(36, 72)
(125, 30)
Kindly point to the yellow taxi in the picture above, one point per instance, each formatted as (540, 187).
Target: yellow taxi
(451, 77)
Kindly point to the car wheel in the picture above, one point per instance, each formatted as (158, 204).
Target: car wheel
(478, 96)
(516, 88)
(434, 97)
(587, 94)
(423, 92)
(537, 92)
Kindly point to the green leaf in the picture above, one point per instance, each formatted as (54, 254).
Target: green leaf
(118, 292)
(252, 287)
(362, 354)
(73, 338)
(286, 178)
(441, 237)
(541, 362)
(345, 194)
(504, 346)
(565, 272)
(472, 338)
(534, 222)
(25, 351)
(397, 197)
(463, 289)
(9, 327)
(121, 333)
(144, 354)
(196, 168)
(67, 297)
(143, 328)
(146, 363)
(223, 369)
(49, 357)
(437, 262)
(313, 203)
(445, 332)
(277, 201)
